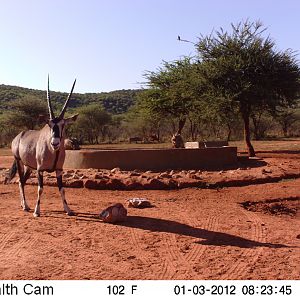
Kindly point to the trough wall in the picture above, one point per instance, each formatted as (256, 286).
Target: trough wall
(152, 159)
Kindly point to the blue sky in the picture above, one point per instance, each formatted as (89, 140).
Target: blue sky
(109, 44)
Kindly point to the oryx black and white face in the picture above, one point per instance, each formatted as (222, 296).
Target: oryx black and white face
(57, 124)
(56, 128)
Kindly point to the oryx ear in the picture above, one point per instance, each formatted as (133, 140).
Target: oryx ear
(71, 119)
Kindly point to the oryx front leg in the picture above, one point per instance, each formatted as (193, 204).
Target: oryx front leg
(62, 193)
(37, 210)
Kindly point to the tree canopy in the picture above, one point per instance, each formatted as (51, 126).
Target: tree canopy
(91, 123)
(174, 90)
(244, 68)
(237, 72)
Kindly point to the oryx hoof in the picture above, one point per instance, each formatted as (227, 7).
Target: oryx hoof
(70, 213)
(35, 214)
(26, 208)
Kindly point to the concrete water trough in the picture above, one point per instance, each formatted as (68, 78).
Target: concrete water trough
(152, 159)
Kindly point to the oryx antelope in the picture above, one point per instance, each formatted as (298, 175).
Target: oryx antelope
(42, 150)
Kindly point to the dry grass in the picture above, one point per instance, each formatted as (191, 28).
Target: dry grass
(281, 145)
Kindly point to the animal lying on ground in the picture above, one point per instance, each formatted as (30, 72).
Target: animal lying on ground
(72, 144)
(42, 150)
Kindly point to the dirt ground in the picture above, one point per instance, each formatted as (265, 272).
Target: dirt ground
(236, 232)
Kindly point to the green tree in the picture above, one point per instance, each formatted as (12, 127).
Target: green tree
(25, 113)
(173, 90)
(7, 130)
(22, 114)
(115, 129)
(91, 124)
(244, 68)
(286, 118)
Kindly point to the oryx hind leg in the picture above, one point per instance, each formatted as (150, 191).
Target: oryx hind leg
(24, 173)
(37, 211)
(62, 193)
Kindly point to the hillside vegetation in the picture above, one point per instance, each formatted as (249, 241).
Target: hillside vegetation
(116, 102)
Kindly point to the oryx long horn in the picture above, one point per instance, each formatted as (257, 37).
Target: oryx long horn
(49, 102)
(66, 103)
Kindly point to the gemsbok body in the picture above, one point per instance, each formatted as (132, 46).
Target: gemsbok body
(42, 150)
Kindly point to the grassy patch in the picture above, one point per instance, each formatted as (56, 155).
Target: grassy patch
(283, 145)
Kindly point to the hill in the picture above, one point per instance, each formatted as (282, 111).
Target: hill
(115, 102)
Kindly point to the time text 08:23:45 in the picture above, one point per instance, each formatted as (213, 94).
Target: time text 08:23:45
(284, 290)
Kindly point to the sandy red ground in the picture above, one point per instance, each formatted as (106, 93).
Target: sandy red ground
(250, 232)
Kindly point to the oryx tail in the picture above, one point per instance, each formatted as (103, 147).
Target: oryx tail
(11, 173)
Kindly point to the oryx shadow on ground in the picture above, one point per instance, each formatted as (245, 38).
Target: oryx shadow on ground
(206, 237)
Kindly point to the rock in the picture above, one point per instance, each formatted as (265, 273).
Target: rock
(192, 172)
(134, 174)
(115, 170)
(74, 183)
(155, 184)
(171, 183)
(68, 175)
(189, 184)
(113, 214)
(101, 177)
(139, 203)
(165, 175)
(131, 257)
(115, 184)
(194, 176)
(176, 176)
(95, 184)
(52, 183)
(76, 176)
(130, 184)
(98, 176)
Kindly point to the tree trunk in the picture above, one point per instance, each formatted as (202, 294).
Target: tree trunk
(229, 132)
(285, 129)
(246, 118)
(193, 130)
(158, 135)
(181, 125)
(255, 127)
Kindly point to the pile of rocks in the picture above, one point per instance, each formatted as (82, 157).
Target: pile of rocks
(116, 179)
